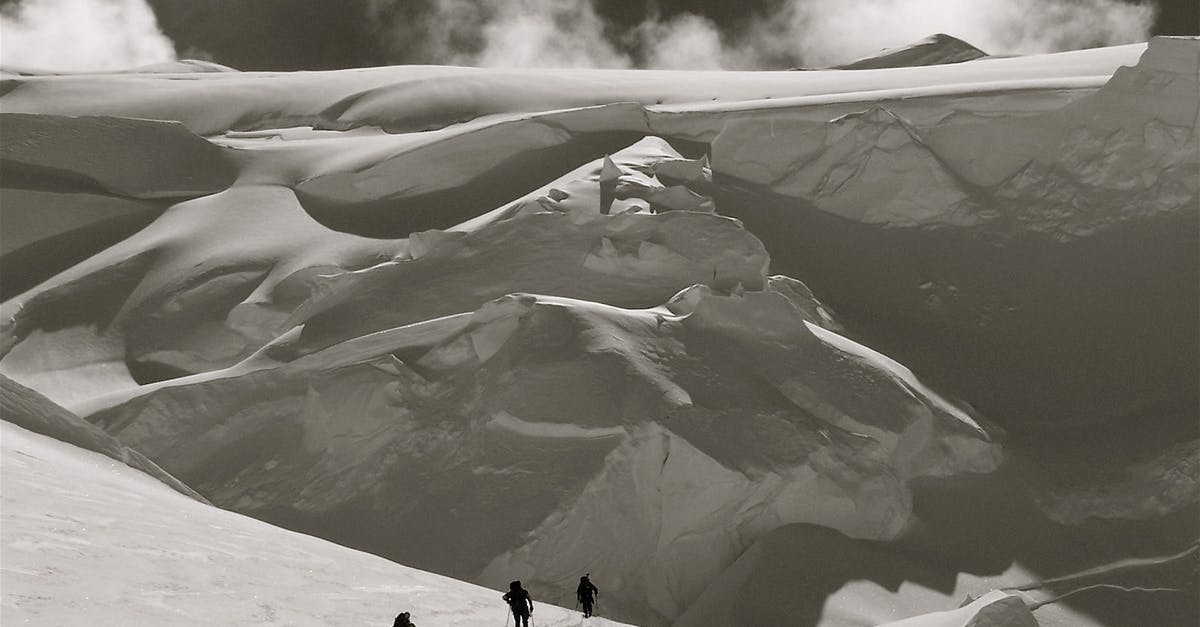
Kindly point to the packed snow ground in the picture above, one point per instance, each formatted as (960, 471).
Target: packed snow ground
(88, 540)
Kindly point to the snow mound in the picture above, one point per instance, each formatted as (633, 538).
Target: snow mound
(648, 176)
(994, 609)
(630, 260)
(201, 288)
(90, 540)
(933, 50)
(182, 66)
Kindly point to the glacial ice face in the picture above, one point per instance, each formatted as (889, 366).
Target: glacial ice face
(559, 434)
(1126, 153)
(1040, 241)
(871, 167)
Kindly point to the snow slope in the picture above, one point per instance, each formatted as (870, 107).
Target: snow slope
(28, 409)
(88, 540)
(559, 434)
(503, 324)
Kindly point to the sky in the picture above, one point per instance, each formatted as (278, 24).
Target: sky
(668, 34)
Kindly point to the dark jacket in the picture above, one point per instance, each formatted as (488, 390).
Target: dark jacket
(586, 590)
(519, 600)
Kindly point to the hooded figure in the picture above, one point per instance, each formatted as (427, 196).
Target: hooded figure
(402, 621)
(586, 593)
(520, 602)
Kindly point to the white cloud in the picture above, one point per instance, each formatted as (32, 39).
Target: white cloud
(686, 42)
(570, 33)
(82, 35)
(547, 33)
(822, 32)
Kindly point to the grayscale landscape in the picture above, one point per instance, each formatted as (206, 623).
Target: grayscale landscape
(754, 322)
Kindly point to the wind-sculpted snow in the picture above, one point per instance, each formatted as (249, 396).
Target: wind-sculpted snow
(544, 435)
(133, 158)
(524, 324)
(214, 102)
(994, 609)
(933, 50)
(184, 294)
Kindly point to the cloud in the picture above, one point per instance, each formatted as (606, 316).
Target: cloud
(685, 42)
(547, 33)
(570, 33)
(82, 35)
(824, 32)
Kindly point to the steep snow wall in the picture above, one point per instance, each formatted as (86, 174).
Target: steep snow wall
(1017, 257)
(547, 436)
(134, 158)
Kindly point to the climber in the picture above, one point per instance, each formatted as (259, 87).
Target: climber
(586, 593)
(402, 621)
(520, 602)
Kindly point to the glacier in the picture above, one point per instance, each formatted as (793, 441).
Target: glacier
(683, 330)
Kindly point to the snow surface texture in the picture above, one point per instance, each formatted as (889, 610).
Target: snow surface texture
(414, 311)
(89, 540)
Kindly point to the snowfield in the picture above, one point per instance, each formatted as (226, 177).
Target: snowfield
(89, 540)
(933, 321)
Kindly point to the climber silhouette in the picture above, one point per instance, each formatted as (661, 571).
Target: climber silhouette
(519, 602)
(586, 593)
(402, 621)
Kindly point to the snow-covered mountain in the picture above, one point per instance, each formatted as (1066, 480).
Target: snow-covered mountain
(525, 324)
(88, 539)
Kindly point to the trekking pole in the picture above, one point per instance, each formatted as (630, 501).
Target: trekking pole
(506, 618)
